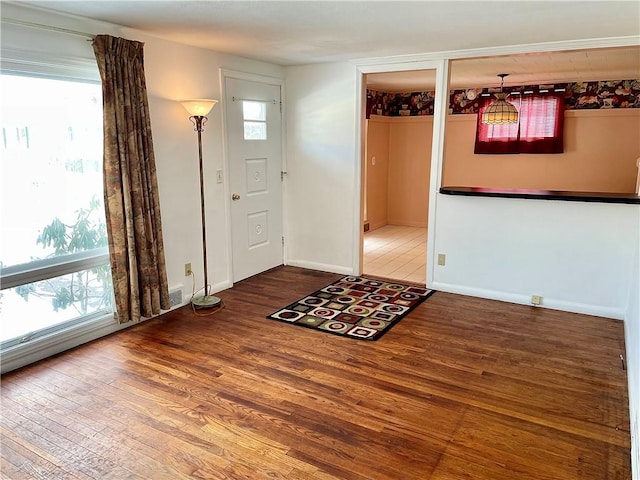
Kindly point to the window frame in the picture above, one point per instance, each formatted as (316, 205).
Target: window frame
(46, 268)
(34, 346)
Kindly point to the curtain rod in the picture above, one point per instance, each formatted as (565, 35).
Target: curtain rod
(41, 26)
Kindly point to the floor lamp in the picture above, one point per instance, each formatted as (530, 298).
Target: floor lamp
(198, 109)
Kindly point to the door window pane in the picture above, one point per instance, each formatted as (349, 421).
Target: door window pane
(252, 110)
(255, 131)
(255, 120)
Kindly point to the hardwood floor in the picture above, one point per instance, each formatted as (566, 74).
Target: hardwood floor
(462, 388)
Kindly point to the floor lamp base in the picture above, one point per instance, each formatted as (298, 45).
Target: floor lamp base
(207, 301)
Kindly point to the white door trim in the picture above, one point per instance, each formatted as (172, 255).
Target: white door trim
(437, 147)
(253, 77)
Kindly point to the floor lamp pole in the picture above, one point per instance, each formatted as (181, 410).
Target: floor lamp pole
(198, 109)
(198, 120)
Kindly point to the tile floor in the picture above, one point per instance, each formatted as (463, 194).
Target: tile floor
(396, 252)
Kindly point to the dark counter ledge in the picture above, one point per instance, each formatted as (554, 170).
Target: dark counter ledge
(601, 197)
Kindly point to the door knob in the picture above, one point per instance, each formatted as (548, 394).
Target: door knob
(235, 197)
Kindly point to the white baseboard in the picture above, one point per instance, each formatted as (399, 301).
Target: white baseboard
(220, 286)
(634, 414)
(403, 223)
(635, 449)
(547, 302)
(215, 288)
(323, 267)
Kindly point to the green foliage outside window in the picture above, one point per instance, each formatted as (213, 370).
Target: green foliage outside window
(87, 290)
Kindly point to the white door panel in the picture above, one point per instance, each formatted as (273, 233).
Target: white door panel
(254, 129)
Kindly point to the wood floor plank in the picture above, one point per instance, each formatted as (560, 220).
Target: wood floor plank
(524, 447)
(26, 462)
(100, 442)
(462, 388)
(181, 456)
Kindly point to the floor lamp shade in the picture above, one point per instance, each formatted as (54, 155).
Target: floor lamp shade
(198, 109)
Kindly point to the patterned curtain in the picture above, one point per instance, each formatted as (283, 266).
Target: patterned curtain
(130, 185)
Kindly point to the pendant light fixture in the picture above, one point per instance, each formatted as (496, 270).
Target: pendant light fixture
(500, 112)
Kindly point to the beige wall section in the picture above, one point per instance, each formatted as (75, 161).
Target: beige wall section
(398, 183)
(377, 175)
(601, 148)
(409, 167)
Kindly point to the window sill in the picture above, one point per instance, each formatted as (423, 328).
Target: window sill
(602, 197)
(39, 348)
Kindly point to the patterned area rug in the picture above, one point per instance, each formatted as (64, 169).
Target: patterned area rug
(355, 307)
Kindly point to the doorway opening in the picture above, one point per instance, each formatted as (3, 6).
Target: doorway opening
(396, 166)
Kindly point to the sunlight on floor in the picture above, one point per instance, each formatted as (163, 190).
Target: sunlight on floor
(396, 252)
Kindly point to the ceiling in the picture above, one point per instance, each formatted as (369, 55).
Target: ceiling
(304, 32)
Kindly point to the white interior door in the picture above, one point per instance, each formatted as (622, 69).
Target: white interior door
(254, 142)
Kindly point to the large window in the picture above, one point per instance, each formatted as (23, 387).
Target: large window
(53, 255)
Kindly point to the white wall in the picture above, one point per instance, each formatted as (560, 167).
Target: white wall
(321, 133)
(576, 255)
(176, 72)
(173, 72)
(632, 341)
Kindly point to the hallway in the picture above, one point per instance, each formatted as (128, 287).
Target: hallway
(396, 252)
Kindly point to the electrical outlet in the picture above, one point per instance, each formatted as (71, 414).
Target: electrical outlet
(536, 300)
(187, 269)
(442, 259)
